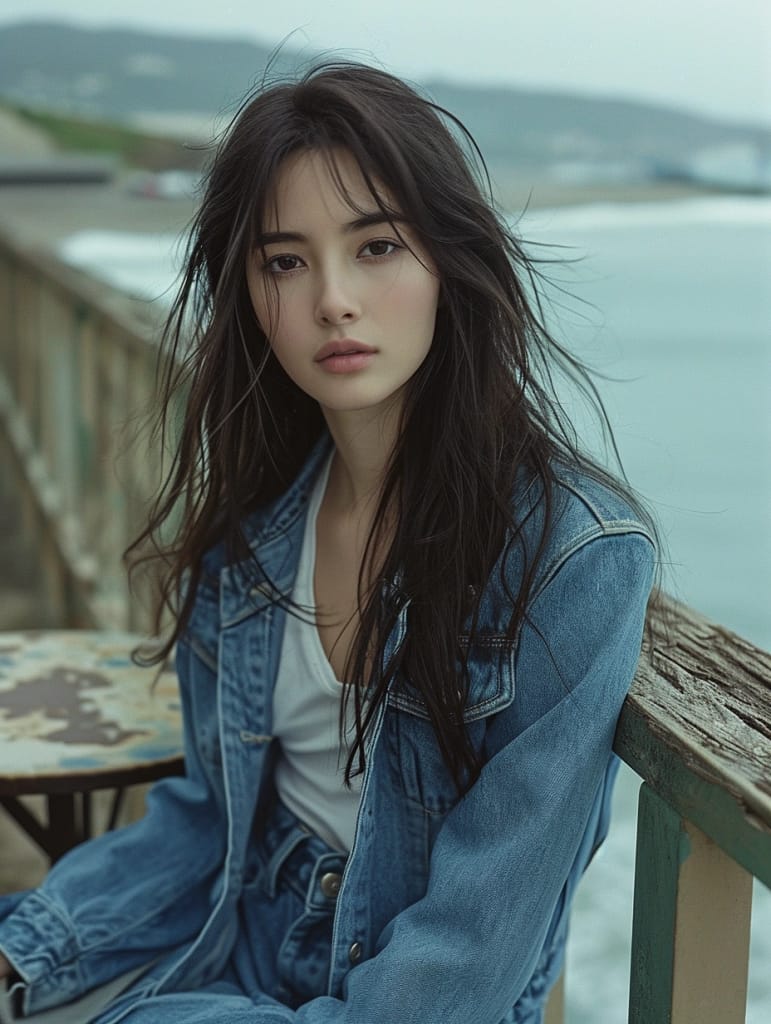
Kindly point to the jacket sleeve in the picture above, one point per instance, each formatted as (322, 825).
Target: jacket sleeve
(124, 898)
(468, 948)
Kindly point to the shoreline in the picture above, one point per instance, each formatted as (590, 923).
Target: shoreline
(41, 216)
(517, 195)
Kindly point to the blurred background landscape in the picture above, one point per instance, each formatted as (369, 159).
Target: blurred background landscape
(140, 108)
(631, 150)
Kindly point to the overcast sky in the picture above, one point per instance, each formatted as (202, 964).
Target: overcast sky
(711, 56)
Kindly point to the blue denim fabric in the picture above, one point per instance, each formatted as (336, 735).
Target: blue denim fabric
(286, 916)
(450, 910)
(284, 936)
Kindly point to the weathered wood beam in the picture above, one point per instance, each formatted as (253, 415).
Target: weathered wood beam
(697, 727)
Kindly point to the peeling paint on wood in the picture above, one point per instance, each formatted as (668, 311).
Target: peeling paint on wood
(75, 711)
(697, 726)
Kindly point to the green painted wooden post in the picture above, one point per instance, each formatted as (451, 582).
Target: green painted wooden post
(690, 937)
(661, 846)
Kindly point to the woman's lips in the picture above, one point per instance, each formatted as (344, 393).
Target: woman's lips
(344, 356)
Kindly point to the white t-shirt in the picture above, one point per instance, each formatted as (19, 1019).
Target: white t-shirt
(306, 712)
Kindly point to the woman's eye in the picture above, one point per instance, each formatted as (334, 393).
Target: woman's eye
(282, 264)
(379, 247)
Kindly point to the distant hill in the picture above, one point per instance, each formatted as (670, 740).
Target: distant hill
(131, 76)
(117, 73)
(529, 124)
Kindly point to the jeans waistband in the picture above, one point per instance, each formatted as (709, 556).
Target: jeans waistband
(291, 852)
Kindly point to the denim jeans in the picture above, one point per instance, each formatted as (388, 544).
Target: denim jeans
(284, 937)
(286, 914)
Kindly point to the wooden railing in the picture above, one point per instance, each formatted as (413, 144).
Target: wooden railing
(77, 372)
(697, 727)
(77, 361)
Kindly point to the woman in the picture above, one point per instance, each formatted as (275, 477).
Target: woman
(409, 608)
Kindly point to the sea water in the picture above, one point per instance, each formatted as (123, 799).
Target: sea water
(671, 303)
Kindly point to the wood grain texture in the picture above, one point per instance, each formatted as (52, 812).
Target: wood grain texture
(697, 726)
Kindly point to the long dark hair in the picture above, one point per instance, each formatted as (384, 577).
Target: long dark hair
(478, 413)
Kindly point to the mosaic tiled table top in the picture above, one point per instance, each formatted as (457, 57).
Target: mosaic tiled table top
(72, 703)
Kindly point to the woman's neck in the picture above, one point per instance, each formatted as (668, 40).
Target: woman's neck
(364, 441)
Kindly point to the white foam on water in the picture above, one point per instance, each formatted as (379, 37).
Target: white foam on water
(754, 211)
(147, 265)
(141, 264)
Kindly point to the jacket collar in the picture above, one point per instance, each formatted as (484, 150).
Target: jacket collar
(279, 515)
(274, 535)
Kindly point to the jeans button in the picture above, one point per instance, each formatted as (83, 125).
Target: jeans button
(330, 884)
(354, 953)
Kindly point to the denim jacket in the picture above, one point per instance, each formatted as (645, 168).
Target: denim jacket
(450, 909)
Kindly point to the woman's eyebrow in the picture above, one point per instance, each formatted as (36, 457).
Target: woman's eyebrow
(366, 220)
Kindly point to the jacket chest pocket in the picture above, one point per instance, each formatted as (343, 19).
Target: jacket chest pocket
(491, 680)
(424, 777)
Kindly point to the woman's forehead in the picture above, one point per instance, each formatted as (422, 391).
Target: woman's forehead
(314, 180)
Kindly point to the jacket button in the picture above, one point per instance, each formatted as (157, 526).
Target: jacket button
(354, 953)
(330, 884)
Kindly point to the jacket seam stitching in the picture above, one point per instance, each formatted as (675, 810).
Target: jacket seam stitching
(618, 528)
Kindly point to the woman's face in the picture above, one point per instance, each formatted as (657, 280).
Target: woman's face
(348, 308)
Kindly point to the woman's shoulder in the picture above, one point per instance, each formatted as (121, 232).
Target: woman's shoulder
(597, 503)
(578, 507)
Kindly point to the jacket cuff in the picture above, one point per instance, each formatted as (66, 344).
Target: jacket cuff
(28, 938)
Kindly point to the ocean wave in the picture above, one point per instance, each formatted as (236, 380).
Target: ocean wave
(753, 211)
(141, 264)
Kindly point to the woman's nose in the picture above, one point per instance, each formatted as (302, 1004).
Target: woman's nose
(337, 301)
